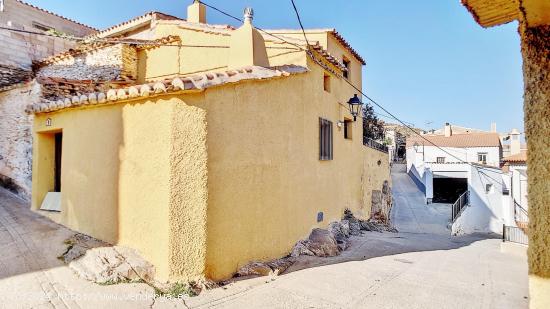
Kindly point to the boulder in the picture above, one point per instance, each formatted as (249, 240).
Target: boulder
(113, 265)
(322, 243)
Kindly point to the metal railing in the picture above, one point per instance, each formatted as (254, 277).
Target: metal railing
(514, 234)
(374, 144)
(520, 213)
(462, 201)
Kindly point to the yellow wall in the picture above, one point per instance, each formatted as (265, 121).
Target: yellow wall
(265, 181)
(202, 183)
(126, 178)
(147, 175)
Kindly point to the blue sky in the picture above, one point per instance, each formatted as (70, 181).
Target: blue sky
(428, 62)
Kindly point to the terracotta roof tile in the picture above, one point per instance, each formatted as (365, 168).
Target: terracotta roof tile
(191, 83)
(136, 20)
(88, 47)
(458, 140)
(520, 157)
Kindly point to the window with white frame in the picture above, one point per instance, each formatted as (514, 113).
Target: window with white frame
(482, 157)
(440, 160)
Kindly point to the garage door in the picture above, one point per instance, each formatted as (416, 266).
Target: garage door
(447, 190)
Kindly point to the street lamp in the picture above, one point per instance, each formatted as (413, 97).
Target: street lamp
(355, 105)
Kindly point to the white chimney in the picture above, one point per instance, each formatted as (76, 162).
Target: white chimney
(515, 143)
(196, 12)
(247, 45)
(493, 127)
(448, 130)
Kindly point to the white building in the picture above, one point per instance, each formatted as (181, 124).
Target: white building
(464, 162)
(516, 166)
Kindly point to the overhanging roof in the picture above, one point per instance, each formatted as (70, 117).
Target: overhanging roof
(489, 13)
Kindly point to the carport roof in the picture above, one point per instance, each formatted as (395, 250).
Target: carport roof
(457, 140)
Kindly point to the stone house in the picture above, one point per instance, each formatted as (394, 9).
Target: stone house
(21, 43)
(219, 145)
(533, 17)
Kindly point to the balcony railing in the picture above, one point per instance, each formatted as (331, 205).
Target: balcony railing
(374, 144)
(514, 234)
(459, 205)
(520, 213)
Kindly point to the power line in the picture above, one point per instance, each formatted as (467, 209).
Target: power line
(382, 108)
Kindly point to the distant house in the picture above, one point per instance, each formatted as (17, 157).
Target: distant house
(461, 164)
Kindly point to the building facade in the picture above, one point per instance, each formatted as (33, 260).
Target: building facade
(214, 157)
(468, 161)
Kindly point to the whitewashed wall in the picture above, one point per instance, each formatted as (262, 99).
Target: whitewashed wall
(487, 211)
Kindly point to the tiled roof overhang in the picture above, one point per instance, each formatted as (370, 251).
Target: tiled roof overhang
(489, 13)
(132, 23)
(517, 158)
(84, 48)
(343, 41)
(465, 140)
(193, 83)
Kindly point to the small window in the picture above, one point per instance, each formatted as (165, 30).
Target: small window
(347, 128)
(489, 188)
(347, 64)
(440, 160)
(326, 82)
(325, 139)
(482, 157)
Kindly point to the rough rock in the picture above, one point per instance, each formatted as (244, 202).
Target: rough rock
(113, 265)
(301, 248)
(354, 226)
(100, 262)
(376, 226)
(254, 268)
(322, 243)
(340, 234)
(270, 268)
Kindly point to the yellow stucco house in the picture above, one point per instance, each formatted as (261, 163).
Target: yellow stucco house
(230, 145)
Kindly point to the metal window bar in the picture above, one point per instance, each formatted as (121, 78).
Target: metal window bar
(514, 234)
(325, 139)
(374, 144)
(458, 206)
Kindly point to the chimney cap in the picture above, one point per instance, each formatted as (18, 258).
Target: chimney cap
(248, 14)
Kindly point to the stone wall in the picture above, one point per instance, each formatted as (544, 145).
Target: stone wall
(16, 138)
(109, 63)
